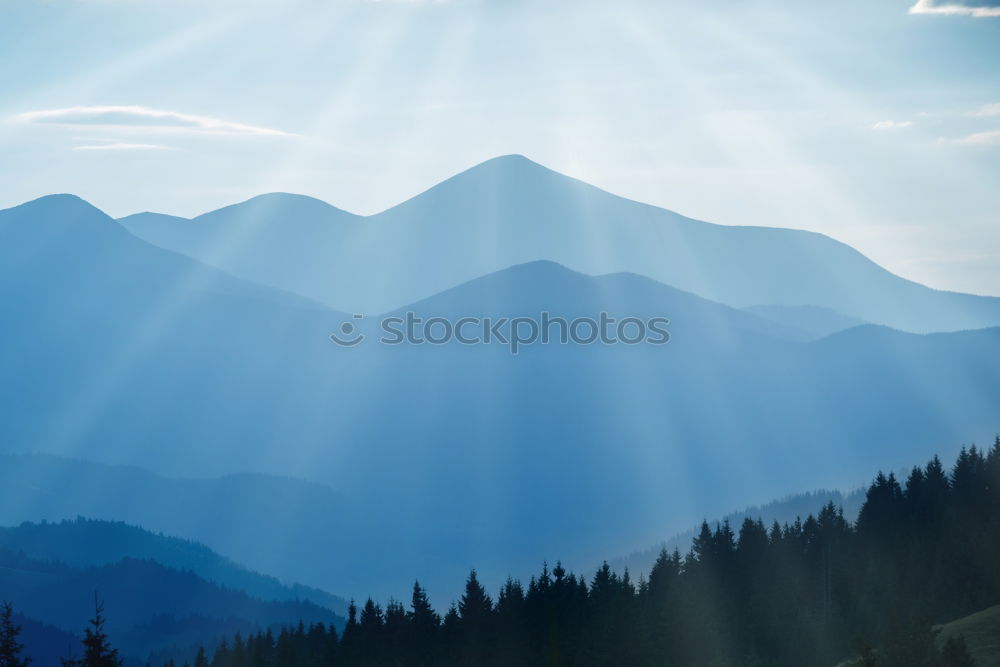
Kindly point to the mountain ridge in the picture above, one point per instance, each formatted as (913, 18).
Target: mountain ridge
(510, 210)
(95, 542)
(409, 433)
(143, 602)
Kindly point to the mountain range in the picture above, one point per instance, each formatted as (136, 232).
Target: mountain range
(212, 355)
(285, 527)
(161, 594)
(149, 607)
(91, 543)
(510, 210)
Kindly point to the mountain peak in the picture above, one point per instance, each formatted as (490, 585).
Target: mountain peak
(286, 198)
(62, 205)
(512, 158)
(510, 178)
(511, 163)
(280, 203)
(544, 268)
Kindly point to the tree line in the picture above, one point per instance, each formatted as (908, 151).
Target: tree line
(815, 591)
(96, 649)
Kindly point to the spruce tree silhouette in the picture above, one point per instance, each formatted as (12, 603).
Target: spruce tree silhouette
(422, 616)
(475, 610)
(475, 605)
(422, 629)
(97, 650)
(10, 647)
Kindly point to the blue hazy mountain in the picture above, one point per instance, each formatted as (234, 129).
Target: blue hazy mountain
(510, 210)
(148, 606)
(88, 542)
(48, 645)
(282, 526)
(565, 447)
(810, 322)
(105, 320)
(275, 239)
(455, 456)
(532, 288)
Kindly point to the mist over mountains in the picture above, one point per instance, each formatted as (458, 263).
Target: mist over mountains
(156, 607)
(509, 211)
(200, 348)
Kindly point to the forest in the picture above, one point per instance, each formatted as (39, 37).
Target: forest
(818, 591)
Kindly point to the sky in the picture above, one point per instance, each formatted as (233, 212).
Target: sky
(877, 123)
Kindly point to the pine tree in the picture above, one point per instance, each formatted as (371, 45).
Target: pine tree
(97, 651)
(350, 641)
(702, 546)
(422, 628)
(511, 597)
(475, 605)
(396, 631)
(10, 647)
(371, 618)
(475, 609)
(422, 615)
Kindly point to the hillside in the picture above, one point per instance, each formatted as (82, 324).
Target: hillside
(87, 542)
(982, 635)
(244, 517)
(272, 239)
(149, 607)
(48, 645)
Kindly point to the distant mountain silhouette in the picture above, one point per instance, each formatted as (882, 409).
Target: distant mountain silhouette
(455, 456)
(570, 445)
(47, 644)
(64, 233)
(109, 322)
(281, 526)
(87, 542)
(276, 239)
(148, 606)
(529, 289)
(510, 210)
(811, 322)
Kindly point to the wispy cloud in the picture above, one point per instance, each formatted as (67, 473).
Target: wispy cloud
(892, 124)
(121, 147)
(977, 9)
(129, 117)
(988, 138)
(986, 110)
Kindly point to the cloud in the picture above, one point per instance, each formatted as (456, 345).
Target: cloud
(988, 138)
(986, 110)
(127, 117)
(977, 8)
(892, 124)
(121, 147)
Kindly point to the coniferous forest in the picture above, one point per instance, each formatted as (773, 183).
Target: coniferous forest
(819, 591)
